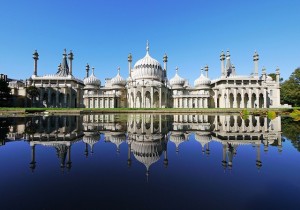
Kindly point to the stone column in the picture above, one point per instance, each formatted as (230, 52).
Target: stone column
(265, 98)
(242, 99)
(250, 98)
(152, 99)
(235, 98)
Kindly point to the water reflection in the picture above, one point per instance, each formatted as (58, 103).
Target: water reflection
(147, 136)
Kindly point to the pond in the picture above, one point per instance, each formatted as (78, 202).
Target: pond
(146, 161)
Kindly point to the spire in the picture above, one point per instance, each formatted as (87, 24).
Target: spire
(64, 69)
(119, 70)
(201, 71)
(93, 70)
(222, 58)
(176, 69)
(147, 47)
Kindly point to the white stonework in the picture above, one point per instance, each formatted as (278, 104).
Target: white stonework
(147, 86)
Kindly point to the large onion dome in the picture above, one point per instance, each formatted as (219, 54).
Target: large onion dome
(202, 81)
(118, 80)
(147, 68)
(177, 81)
(92, 80)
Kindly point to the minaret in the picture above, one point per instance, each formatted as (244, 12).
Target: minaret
(222, 59)
(255, 60)
(87, 69)
(165, 60)
(35, 57)
(129, 63)
(71, 57)
(206, 70)
(233, 70)
(277, 75)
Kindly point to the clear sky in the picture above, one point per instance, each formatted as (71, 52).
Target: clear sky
(192, 33)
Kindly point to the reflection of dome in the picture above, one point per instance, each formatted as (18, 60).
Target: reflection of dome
(147, 68)
(177, 139)
(91, 139)
(118, 80)
(118, 140)
(92, 80)
(147, 152)
(202, 81)
(177, 80)
(203, 138)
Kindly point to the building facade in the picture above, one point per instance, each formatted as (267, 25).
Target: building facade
(148, 86)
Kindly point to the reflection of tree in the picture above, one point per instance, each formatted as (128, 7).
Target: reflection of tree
(3, 129)
(31, 127)
(291, 130)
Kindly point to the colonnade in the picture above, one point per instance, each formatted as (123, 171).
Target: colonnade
(241, 98)
(101, 102)
(147, 97)
(190, 102)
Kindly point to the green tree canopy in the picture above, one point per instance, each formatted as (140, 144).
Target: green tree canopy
(290, 89)
(273, 75)
(32, 91)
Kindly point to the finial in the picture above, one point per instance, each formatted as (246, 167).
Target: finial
(228, 53)
(264, 70)
(129, 57)
(93, 69)
(119, 70)
(176, 69)
(147, 47)
(277, 70)
(201, 70)
(65, 51)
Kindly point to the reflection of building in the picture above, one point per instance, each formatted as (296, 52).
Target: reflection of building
(148, 86)
(147, 139)
(147, 135)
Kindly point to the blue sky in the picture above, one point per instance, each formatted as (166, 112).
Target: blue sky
(192, 33)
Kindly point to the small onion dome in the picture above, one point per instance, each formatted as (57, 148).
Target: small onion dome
(177, 80)
(118, 80)
(202, 80)
(92, 80)
(269, 78)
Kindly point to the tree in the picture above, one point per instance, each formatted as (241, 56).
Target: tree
(290, 89)
(32, 92)
(4, 92)
(273, 75)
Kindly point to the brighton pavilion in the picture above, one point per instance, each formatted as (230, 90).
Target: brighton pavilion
(147, 86)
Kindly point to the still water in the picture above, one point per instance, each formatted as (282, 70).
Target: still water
(145, 161)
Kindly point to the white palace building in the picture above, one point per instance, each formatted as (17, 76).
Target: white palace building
(148, 86)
